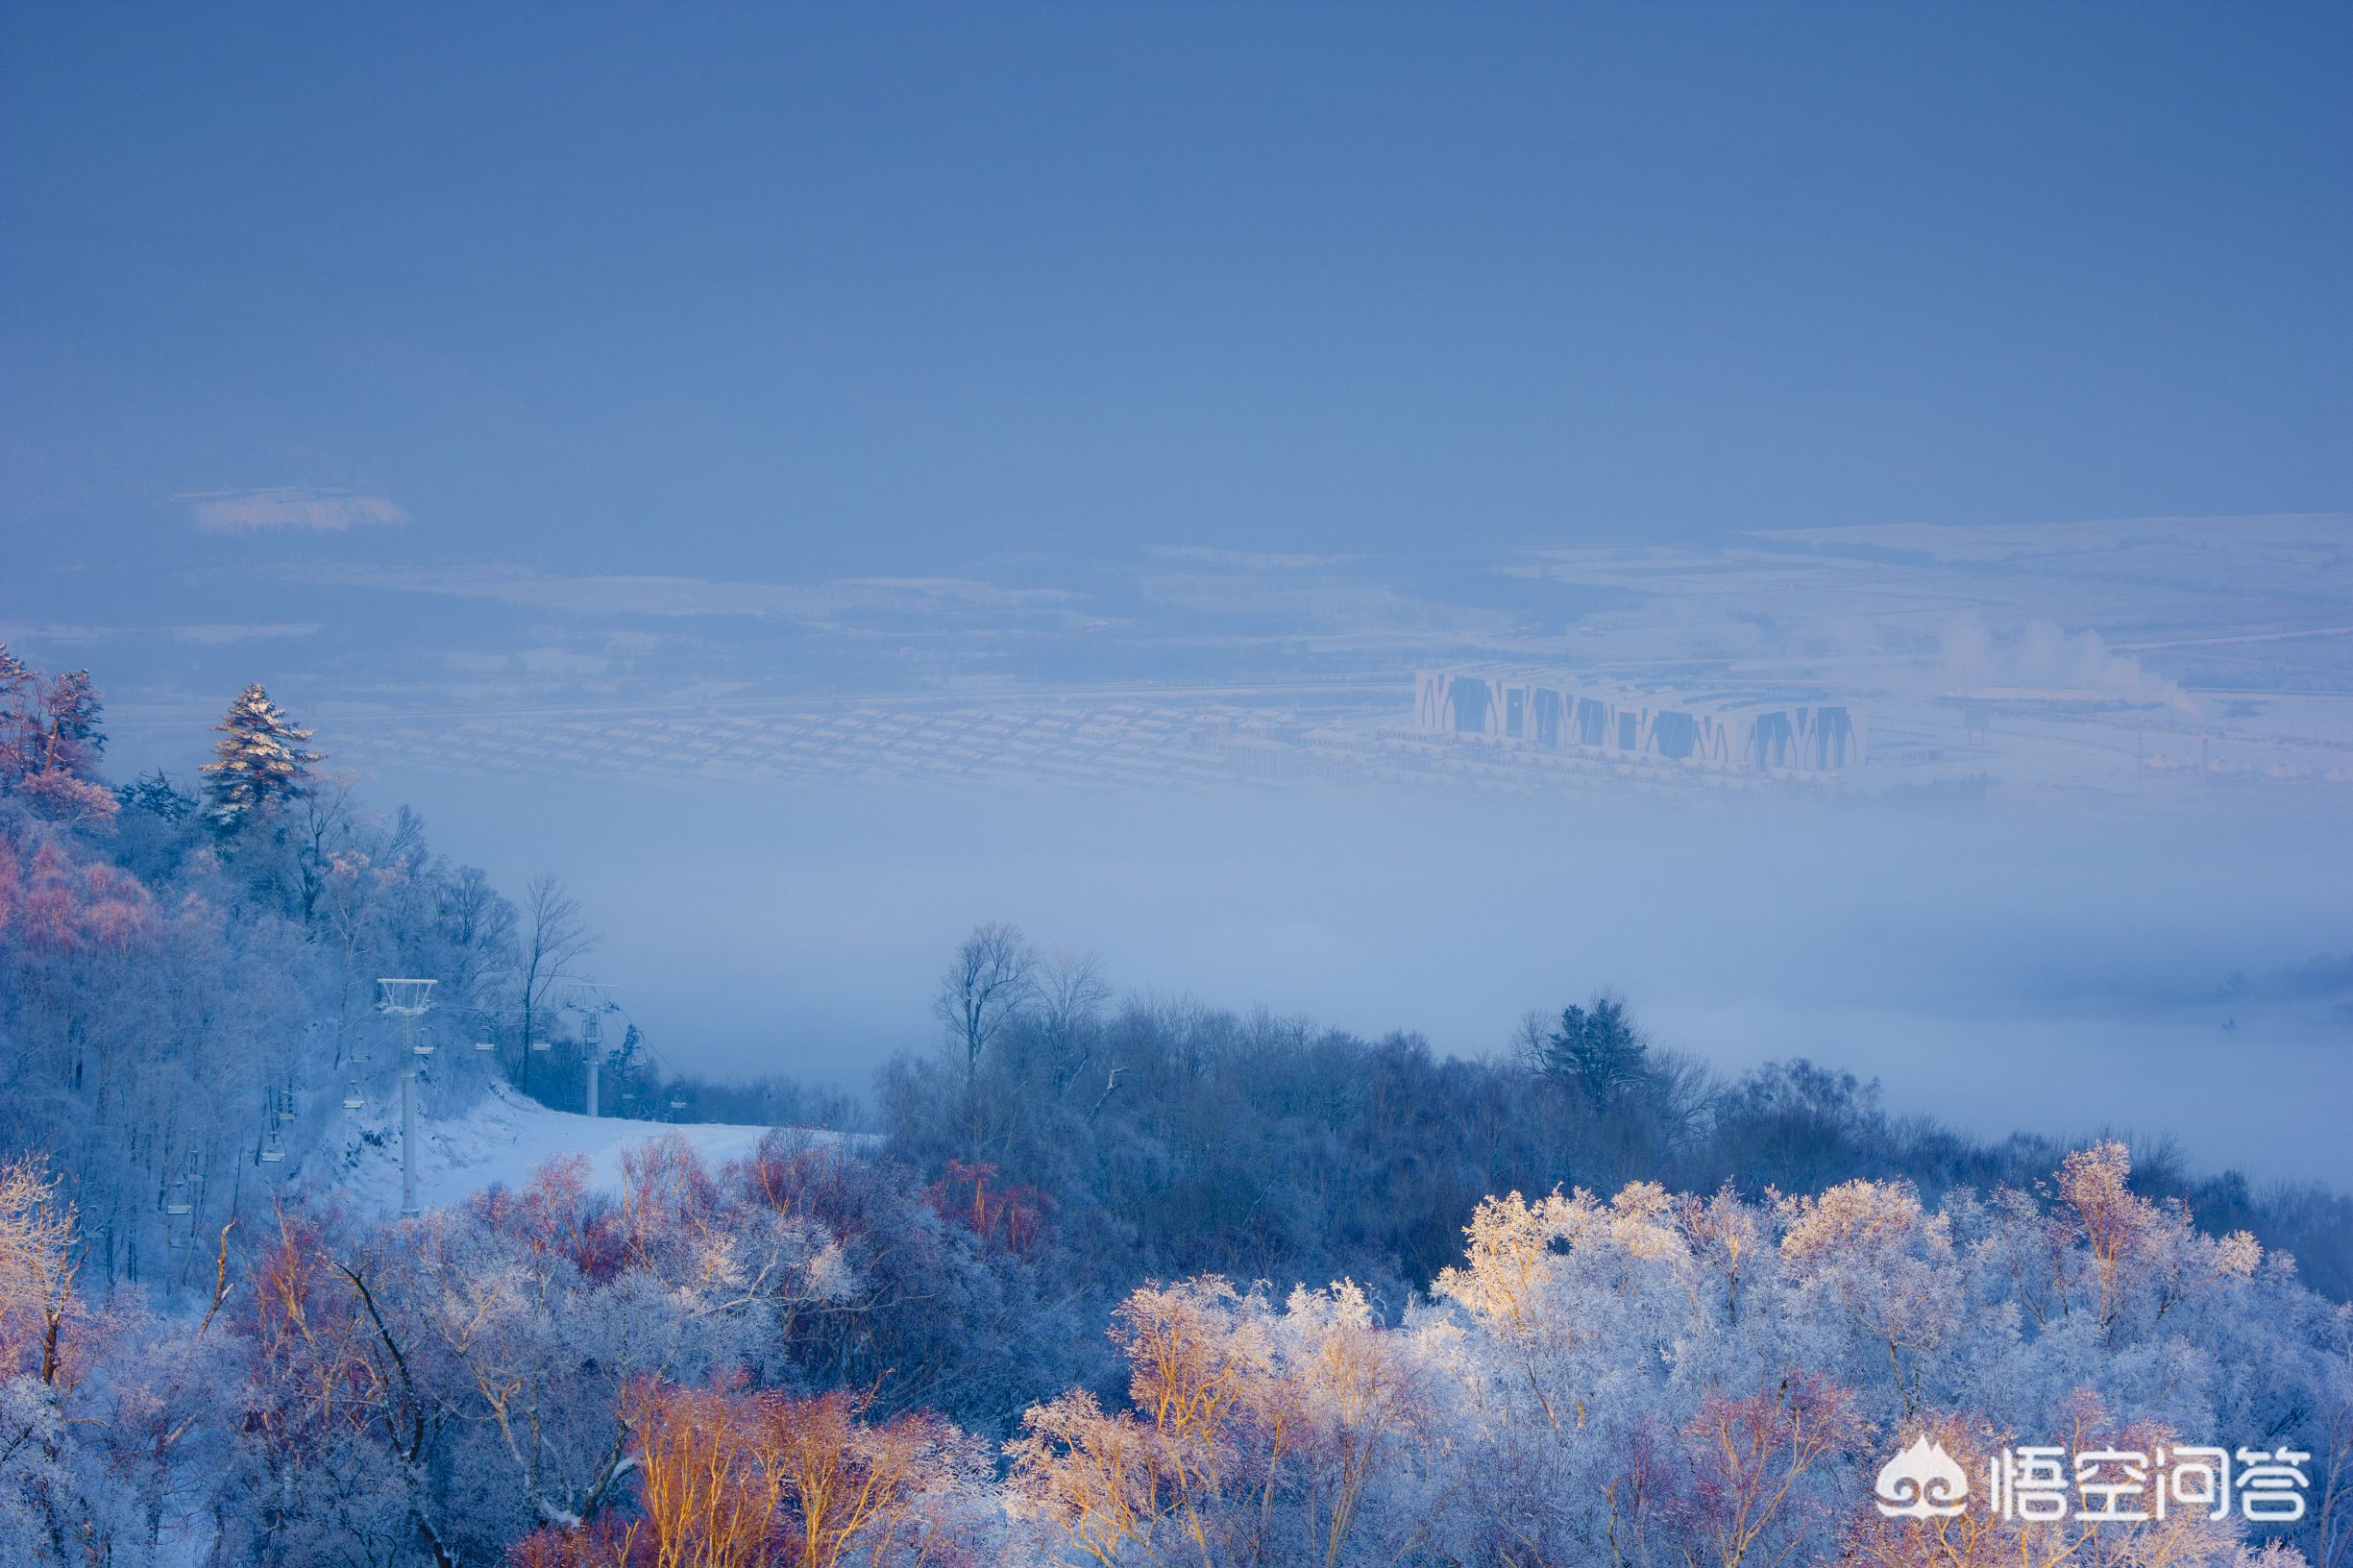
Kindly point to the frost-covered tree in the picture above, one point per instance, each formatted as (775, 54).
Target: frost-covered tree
(39, 1255)
(71, 739)
(50, 742)
(553, 937)
(989, 985)
(104, 1407)
(1299, 1435)
(258, 760)
(539, 1376)
(1666, 1381)
(19, 727)
(991, 978)
(1072, 992)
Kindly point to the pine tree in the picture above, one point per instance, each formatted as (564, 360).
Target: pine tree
(1597, 1048)
(259, 759)
(154, 794)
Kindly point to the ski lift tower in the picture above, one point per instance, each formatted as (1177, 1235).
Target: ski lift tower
(408, 998)
(594, 1001)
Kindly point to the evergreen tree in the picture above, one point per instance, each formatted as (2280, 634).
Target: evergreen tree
(259, 759)
(1597, 1048)
(154, 794)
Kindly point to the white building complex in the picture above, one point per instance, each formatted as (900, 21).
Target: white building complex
(1568, 712)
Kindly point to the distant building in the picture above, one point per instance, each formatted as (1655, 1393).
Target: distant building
(1570, 714)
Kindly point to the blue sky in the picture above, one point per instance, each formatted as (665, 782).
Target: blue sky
(785, 290)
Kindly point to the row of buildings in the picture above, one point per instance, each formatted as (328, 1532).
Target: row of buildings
(1561, 714)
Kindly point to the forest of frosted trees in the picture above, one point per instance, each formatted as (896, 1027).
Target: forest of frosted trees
(1124, 1282)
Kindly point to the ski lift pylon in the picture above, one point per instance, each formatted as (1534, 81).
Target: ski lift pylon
(411, 996)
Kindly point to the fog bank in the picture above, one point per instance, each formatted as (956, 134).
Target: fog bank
(1999, 969)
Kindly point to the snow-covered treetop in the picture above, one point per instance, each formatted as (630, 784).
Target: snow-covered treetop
(259, 757)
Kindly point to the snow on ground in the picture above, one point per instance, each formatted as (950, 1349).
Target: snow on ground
(498, 1142)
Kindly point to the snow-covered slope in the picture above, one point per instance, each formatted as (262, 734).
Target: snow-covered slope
(498, 1142)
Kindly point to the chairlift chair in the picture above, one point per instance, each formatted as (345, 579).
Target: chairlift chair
(353, 1099)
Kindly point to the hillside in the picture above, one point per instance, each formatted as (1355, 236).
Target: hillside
(498, 1143)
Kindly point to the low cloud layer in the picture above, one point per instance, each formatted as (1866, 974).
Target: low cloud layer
(206, 635)
(300, 507)
(612, 593)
